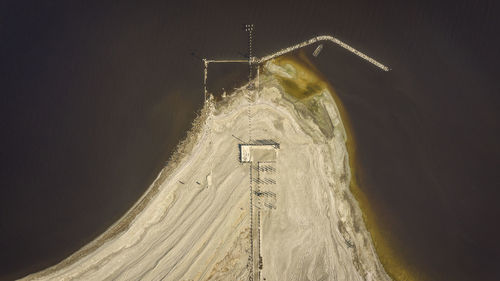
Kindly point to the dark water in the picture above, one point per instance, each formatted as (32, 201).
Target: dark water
(226, 77)
(95, 96)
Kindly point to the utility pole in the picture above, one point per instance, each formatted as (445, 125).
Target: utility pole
(249, 28)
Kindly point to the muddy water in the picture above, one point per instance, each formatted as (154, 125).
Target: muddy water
(96, 96)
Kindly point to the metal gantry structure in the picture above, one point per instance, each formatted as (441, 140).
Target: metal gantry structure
(252, 61)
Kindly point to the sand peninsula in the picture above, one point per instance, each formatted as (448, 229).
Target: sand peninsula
(194, 222)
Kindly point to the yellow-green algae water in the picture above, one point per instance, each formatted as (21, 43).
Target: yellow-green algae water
(309, 83)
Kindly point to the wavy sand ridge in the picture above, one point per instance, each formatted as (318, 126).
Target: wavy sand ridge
(196, 225)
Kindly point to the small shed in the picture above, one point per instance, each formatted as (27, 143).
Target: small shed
(259, 151)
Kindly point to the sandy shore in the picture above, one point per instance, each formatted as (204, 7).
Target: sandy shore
(194, 224)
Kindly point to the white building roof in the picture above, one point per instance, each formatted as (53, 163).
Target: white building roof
(258, 152)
